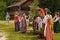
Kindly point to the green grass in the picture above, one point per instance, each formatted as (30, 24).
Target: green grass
(12, 35)
(57, 36)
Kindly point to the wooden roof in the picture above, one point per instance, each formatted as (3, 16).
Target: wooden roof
(17, 4)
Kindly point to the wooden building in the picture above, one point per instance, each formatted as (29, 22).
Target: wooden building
(22, 6)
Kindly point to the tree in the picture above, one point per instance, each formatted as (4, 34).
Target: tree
(2, 6)
(34, 11)
(51, 4)
(33, 8)
(8, 2)
(2, 9)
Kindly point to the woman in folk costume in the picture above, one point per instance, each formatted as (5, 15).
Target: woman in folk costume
(36, 23)
(39, 21)
(48, 32)
(56, 22)
(7, 18)
(16, 22)
(23, 24)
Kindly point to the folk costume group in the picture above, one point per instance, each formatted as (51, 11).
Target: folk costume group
(51, 25)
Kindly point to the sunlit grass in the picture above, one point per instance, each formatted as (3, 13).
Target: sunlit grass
(12, 35)
(57, 36)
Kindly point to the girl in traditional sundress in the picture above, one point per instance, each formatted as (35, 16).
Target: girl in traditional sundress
(24, 24)
(48, 32)
(39, 21)
(7, 18)
(16, 22)
(56, 22)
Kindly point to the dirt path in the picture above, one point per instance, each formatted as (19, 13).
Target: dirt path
(2, 36)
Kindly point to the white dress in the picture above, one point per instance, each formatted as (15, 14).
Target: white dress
(39, 20)
(45, 22)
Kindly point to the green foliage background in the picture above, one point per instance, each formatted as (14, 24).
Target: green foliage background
(3, 8)
(53, 5)
(33, 8)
